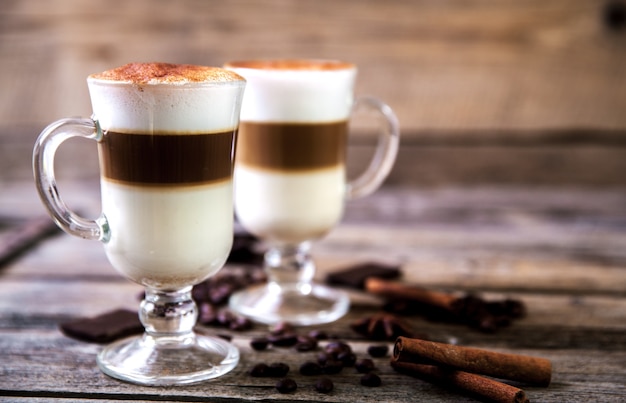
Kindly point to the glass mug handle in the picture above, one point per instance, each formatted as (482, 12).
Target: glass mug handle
(43, 168)
(386, 150)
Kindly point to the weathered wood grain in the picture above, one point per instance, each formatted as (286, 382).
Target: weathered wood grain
(560, 250)
(46, 357)
(530, 63)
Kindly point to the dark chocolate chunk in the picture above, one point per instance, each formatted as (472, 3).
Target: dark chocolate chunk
(286, 385)
(356, 275)
(104, 328)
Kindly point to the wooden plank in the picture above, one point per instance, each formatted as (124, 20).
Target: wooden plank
(439, 64)
(47, 302)
(39, 360)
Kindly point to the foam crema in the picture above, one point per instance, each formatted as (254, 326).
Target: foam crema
(296, 90)
(160, 97)
(166, 160)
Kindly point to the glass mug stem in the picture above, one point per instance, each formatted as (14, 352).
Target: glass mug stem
(290, 264)
(43, 166)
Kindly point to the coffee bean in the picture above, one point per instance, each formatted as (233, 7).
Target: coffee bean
(286, 385)
(278, 369)
(225, 317)
(332, 366)
(348, 358)
(303, 346)
(282, 328)
(337, 347)
(323, 357)
(259, 343)
(239, 324)
(318, 335)
(285, 340)
(371, 380)
(307, 339)
(260, 370)
(378, 351)
(219, 294)
(207, 315)
(324, 385)
(310, 368)
(364, 365)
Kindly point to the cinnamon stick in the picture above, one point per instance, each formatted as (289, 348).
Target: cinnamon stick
(522, 368)
(397, 290)
(479, 386)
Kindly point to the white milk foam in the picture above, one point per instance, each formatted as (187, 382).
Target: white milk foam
(196, 108)
(297, 95)
(167, 237)
(288, 207)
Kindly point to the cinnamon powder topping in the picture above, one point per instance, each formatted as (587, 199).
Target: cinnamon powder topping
(164, 73)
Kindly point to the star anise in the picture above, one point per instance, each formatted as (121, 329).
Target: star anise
(382, 327)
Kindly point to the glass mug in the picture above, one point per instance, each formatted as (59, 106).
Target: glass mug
(165, 135)
(290, 178)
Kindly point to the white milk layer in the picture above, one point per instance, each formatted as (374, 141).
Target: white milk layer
(289, 207)
(297, 95)
(168, 238)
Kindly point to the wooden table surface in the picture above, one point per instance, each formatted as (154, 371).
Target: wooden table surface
(509, 182)
(562, 251)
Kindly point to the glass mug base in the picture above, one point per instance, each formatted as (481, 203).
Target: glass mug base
(178, 360)
(298, 304)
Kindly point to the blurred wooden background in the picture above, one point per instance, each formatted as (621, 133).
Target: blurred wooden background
(504, 92)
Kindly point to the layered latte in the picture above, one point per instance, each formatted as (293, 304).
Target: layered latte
(290, 168)
(166, 156)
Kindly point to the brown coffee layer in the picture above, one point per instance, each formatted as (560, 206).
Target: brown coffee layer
(167, 159)
(292, 146)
